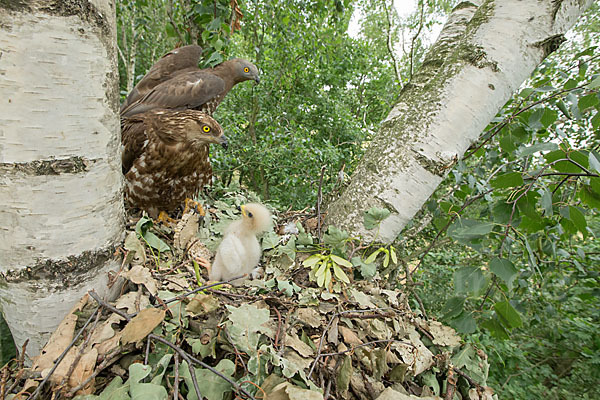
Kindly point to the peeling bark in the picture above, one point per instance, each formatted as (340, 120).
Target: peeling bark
(482, 56)
(60, 175)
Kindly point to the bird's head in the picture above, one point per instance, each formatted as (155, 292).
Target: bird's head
(244, 70)
(201, 128)
(256, 218)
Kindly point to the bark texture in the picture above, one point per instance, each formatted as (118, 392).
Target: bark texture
(60, 181)
(484, 53)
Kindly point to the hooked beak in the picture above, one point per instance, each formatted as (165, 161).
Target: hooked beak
(257, 79)
(223, 141)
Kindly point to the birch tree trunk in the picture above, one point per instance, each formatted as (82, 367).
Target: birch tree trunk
(483, 54)
(60, 182)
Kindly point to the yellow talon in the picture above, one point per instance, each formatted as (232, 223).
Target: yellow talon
(193, 205)
(164, 218)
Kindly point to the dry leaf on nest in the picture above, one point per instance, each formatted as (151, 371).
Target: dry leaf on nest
(129, 301)
(203, 304)
(186, 229)
(142, 276)
(176, 282)
(350, 338)
(419, 357)
(295, 343)
(443, 335)
(142, 325)
(60, 339)
(132, 243)
(310, 317)
(83, 370)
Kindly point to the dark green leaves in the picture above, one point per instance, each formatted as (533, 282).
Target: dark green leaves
(508, 315)
(142, 228)
(510, 179)
(504, 269)
(468, 280)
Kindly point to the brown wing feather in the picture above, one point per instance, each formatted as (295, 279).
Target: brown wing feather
(133, 136)
(186, 90)
(183, 59)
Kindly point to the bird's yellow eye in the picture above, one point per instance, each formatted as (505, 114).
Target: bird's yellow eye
(246, 69)
(206, 128)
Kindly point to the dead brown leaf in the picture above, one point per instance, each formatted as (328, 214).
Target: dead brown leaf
(142, 276)
(142, 325)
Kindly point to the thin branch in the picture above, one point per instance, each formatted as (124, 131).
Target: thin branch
(104, 304)
(414, 38)
(190, 359)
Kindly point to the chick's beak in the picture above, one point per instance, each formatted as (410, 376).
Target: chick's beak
(223, 141)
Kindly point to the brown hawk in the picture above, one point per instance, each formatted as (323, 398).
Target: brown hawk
(199, 89)
(165, 157)
(182, 59)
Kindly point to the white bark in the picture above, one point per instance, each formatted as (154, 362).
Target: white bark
(60, 181)
(482, 56)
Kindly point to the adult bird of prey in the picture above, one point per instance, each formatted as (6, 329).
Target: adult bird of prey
(198, 89)
(182, 59)
(165, 157)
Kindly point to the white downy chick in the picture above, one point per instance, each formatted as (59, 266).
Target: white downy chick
(239, 252)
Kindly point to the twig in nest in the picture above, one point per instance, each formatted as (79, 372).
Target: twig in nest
(176, 382)
(319, 201)
(104, 304)
(451, 384)
(191, 360)
(38, 390)
(467, 377)
(184, 295)
(318, 356)
(350, 350)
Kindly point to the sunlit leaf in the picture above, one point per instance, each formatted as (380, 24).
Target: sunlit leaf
(373, 217)
(510, 179)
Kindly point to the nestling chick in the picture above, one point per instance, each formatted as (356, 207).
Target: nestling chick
(239, 252)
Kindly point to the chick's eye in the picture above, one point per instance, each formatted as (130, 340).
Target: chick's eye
(206, 128)
(250, 214)
(246, 69)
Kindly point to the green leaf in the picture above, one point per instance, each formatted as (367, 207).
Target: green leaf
(510, 179)
(547, 203)
(595, 83)
(373, 256)
(453, 307)
(466, 229)
(593, 162)
(245, 325)
(344, 374)
(526, 151)
(289, 249)
(495, 328)
(508, 315)
(368, 271)
(393, 254)
(155, 242)
(504, 269)
(373, 217)
(577, 217)
(590, 197)
(340, 274)
(145, 391)
(312, 260)
(340, 261)
(213, 387)
(270, 241)
(465, 323)
(468, 280)
(115, 390)
(335, 237)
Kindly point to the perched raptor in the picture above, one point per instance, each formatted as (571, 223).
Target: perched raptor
(182, 59)
(198, 89)
(165, 157)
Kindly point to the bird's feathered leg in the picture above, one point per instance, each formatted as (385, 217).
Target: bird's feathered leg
(163, 218)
